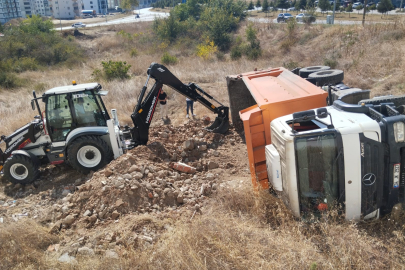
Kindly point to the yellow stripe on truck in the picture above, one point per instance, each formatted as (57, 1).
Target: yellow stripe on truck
(212, 106)
(140, 111)
(1, 167)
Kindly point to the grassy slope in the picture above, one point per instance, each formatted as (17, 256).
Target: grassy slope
(236, 232)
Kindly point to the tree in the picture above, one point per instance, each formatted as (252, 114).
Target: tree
(265, 7)
(373, 7)
(301, 4)
(129, 4)
(283, 4)
(384, 6)
(251, 6)
(349, 9)
(358, 8)
(258, 4)
(324, 5)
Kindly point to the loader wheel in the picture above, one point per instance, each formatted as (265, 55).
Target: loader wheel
(397, 100)
(20, 169)
(332, 76)
(89, 153)
(304, 72)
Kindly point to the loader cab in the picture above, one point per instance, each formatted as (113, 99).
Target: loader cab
(74, 106)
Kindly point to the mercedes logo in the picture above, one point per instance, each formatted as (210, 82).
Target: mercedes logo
(369, 179)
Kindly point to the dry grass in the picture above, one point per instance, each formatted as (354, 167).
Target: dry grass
(236, 231)
(23, 245)
(372, 58)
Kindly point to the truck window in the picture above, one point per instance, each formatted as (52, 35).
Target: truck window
(59, 117)
(317, 164)
(87, 111)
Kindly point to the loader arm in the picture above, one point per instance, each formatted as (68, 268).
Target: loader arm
(145, 108)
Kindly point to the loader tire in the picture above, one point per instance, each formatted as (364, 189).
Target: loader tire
(21, 169)
(397, 100)
(89, 153)
(304, 72)
(332, 76)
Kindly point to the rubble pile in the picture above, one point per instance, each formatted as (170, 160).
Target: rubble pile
(144, 181)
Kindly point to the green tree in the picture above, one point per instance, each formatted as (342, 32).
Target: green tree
(324, 5)
(283, 4)
(349, 9)
(251, 6)
(384, 6)
(265, 7)
(301, 4)
(373, 7)
(129, 4)
(258, 4)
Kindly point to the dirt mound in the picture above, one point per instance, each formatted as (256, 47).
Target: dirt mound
(143, 181)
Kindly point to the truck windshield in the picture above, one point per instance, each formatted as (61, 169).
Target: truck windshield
(318, 171)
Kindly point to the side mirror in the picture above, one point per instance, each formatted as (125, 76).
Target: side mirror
(33, 105)
(322, 113)
(304, 116)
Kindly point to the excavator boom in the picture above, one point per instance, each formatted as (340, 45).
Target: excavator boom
(145, 108)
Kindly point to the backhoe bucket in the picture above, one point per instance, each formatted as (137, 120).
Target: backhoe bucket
(220, 125)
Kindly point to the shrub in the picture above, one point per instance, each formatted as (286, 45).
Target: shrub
(10, 80)
(332, 63)
(220, 56)
(168, 59)
(207, 50)
(134, 52)
(236, 52)
(112, 70)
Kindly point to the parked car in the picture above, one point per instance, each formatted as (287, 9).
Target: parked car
(291, 9)
(283, 17)
(78, 25)
(355, 5)
(370, 4)
(302, 17)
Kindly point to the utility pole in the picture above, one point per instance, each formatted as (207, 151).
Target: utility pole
(60, 18)
(334, 8)
(364, 12)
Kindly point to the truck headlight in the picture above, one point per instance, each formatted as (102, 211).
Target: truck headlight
(399, 132)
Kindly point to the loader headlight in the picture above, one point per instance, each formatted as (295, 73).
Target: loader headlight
(399, 131)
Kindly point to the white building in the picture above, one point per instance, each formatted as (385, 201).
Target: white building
(9, 9)
(65, 9)
(100, 6)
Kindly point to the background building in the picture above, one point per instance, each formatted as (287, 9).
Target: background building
(65, 9)
(100, 6)
(9, 9)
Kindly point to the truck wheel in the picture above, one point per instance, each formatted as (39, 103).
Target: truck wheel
(304, 72)
(397, 100)
(332, 76)
(21, 169)
(89, 153)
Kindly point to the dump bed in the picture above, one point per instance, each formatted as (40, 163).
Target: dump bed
(257, 98)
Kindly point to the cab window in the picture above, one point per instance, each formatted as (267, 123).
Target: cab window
(59, 117)
(87, 110)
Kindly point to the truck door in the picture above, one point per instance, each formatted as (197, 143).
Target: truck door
(372, 173)
(58, 117)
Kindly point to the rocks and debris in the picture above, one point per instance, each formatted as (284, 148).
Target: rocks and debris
(141, 182)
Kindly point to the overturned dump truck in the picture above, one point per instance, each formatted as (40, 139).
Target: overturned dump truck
(318, 148)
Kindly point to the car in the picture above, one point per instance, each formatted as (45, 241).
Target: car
(78, 25)
(370, 4)
(355, 5)
(303, 17)
(291, 9)
(283, 17)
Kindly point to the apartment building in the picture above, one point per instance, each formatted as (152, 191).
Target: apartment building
(100, 6)
(65, 9)
(9, 9)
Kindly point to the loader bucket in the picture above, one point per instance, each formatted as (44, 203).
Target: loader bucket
(220, 125)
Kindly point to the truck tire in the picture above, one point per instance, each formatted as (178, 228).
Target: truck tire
(304, 72)
(397, 100)
(332, 76)
(21, 169)
(89, 153)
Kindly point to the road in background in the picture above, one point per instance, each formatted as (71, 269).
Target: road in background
(145, 15)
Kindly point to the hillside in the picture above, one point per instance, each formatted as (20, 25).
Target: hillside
(138, 213)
